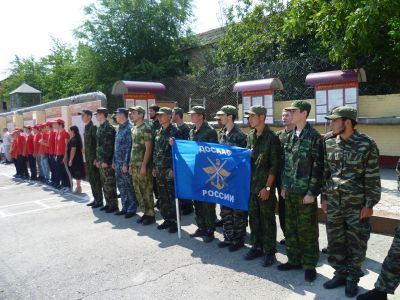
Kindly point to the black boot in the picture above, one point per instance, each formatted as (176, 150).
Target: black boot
(373, 295)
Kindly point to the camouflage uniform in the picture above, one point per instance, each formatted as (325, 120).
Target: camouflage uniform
(90, 155)
(104, 152)
(162, 161)
(155, 126)
(351, 182)
(143, 184)
(283, 136)
(302, 175)
(234, 221)
(121, 158)
(184, 132)
(389, 278)
(205, 212)
(265, 161)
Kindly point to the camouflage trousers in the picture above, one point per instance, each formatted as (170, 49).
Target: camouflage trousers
(108, 183)
(301, 231)
(234, 224)
(95, 183)
(389, 278)
(205, 215)
(143, 186)
(262, 223)
(125, 188)
(347, 235)
(166, 196)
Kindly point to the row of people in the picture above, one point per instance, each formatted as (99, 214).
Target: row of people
(48, 153)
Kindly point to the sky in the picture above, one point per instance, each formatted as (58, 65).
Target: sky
(27, 26)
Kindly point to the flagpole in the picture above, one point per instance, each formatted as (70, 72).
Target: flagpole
(178, 219)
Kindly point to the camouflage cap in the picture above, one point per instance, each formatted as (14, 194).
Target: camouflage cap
(139, 109)
(299, 104)
(227, 110)
(177, 110)
(256, 110)
(343, 112)
(164, 110)
(197, 110)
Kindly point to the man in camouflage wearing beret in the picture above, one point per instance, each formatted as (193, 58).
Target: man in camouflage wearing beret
(301, 185)
(205, 211)
(186, 205)
(352, 187)
(234, 221)
(104, 155)
(283, 136)
(90, 142)
(265, 162)
(162, 170)
(141, 164)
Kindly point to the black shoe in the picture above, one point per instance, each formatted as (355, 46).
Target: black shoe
(120, 213)
(287, 266)
(310, 275)
(253, 253)
(187, 211)
(141, 219)
(218, 223)
(208, 237)
(373, 295)
(269, 260)
(334, 282)
(282, 242)
(105, 207)
(111, 210)
(130, 214)
(236, 246)
(197, 233)
(224, 244)
(93, 203)
(163, 225)
(351, 289)
(97, 205)
(173, 228)
(148, 220)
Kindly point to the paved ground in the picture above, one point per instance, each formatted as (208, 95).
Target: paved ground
(53, 246)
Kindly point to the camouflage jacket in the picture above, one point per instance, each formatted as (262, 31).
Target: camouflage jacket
(351, 167)
(205, 134)
(140, 135)
(303, 165)
(185, 130)
(265, 157)
(105, 143)
(283, 136)
(235, 137)
(89, 137)
(162, 154)
(123, 145)
(155, 126)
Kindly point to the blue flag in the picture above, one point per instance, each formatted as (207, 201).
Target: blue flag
(210, 172)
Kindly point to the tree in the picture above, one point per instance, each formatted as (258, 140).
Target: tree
(136, 39)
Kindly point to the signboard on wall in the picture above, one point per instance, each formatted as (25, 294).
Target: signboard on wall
(329, 96)
(77, 119)
(144, 100)
(28, 118)
(262, 97)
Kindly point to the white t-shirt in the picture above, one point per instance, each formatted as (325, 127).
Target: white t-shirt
(6, 139)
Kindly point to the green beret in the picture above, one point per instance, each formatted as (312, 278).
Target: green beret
(164, 110)
(299, 104)
(256, 110)
(197, 110)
